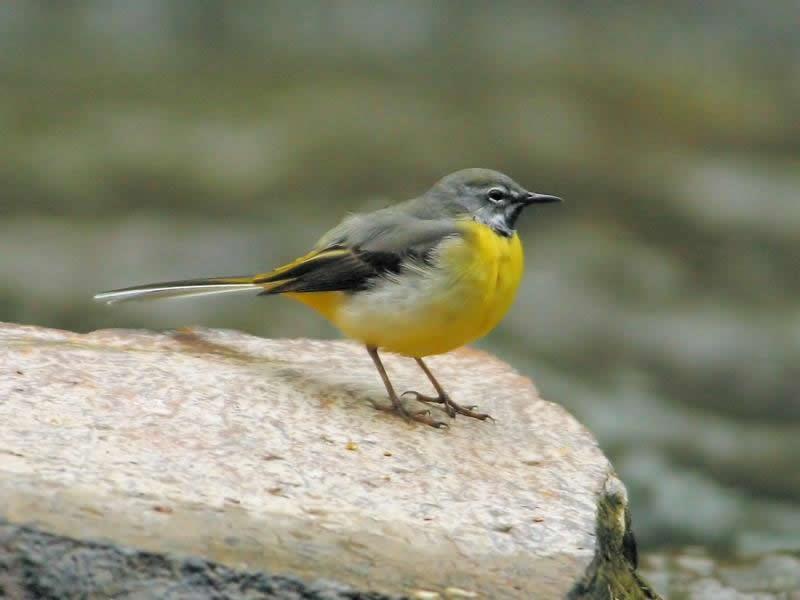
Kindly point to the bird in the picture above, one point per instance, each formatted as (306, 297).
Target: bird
(417, 278)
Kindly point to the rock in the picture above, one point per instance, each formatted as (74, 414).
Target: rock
(693, 574)
(39, 565)
(612, 574)
(267, 456)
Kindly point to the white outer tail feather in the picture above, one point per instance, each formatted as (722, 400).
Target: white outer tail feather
(176, 291)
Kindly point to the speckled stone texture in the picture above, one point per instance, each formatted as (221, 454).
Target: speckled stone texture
(268, 455)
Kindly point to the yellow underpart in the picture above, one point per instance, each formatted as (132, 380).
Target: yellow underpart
(444, 309)
(325, 303)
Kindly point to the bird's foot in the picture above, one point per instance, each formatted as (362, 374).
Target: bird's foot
(451, 407)
(420, 416)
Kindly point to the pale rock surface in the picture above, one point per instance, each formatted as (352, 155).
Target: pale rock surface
(267, 455)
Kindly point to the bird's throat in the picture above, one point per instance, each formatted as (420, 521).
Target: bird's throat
(501, 222)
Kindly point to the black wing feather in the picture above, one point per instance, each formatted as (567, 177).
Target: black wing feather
(357, 253)
(345, 272)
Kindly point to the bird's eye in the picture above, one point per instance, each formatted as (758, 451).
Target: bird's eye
(496, 194)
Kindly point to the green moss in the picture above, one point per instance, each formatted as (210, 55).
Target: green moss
(613, 572)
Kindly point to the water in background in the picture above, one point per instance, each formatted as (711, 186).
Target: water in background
(151, 140)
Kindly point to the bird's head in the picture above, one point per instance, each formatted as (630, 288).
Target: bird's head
(487, 196)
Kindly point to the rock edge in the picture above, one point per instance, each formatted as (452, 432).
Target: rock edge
(266, 455)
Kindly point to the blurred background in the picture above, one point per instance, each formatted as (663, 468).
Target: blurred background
(157, 140)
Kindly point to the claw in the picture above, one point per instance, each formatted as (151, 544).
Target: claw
(423, 398)
(423, 416)
(432, 400)
(420, 416)
(450, 406)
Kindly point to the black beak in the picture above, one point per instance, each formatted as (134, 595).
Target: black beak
(533, 198)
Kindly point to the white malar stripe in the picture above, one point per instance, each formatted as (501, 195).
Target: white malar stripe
(173, 292)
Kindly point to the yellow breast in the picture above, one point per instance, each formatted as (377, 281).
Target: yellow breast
(431, 311)
(490, 268)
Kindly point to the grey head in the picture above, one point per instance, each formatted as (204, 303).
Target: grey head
(483, 195)
(487, 196)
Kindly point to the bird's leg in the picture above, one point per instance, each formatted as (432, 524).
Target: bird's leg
(450, 406)
(397, 405)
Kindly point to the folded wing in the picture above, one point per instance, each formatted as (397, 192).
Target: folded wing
(349, 258)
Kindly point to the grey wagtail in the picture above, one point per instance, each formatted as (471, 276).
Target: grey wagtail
(418, 278)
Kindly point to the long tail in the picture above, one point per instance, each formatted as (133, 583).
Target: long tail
(180, 289)
(320, 270)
